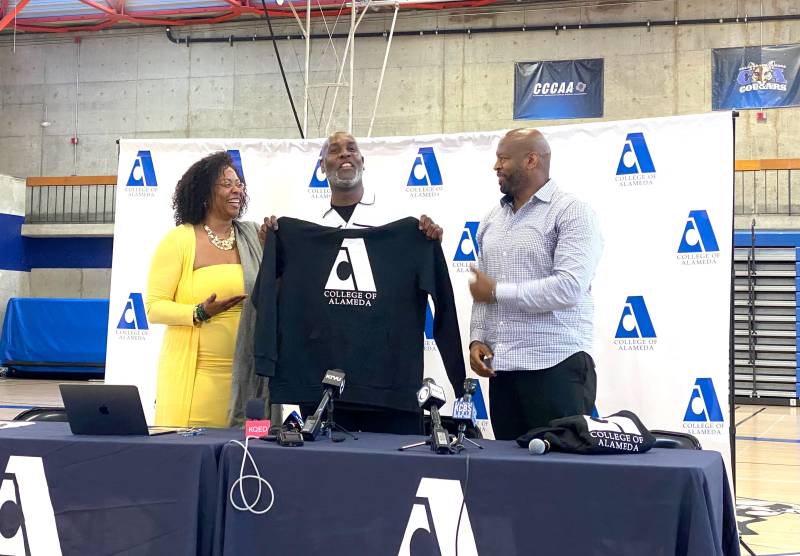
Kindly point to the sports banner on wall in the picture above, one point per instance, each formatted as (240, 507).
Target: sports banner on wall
(662, 289)
(755, 77)
(561, 89)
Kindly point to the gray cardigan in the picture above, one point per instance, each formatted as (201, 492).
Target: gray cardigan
(245, 384)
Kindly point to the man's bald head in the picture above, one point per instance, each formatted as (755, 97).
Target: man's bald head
(529, 140)
(523, 162)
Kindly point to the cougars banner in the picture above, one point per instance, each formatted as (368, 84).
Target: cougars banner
(662, 191)
(756, 77)
(558, 89)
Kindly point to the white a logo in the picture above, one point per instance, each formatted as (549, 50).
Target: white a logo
(351, 269)
(615, 423)
(444, 497)
(26, 513)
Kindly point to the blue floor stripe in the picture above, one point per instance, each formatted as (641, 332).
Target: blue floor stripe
(764, 439)
(17, 406)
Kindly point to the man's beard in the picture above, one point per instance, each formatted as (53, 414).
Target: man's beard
(345, 183)
(508, 185)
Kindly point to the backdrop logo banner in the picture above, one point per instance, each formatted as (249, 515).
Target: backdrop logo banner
(560, 89)
(690, 171)
(635, 330)
(438, 511)
(755, 77)
(318, 185)
(132, 323)
(351, 281)
(425, 179)
(430, 343)
(142, 179)
(237, 163)
(480, 402)
(635, 166)
(28, 521)
(467, 248)
(698, 244)
(703, 413)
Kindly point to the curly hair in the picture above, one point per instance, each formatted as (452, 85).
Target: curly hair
(195, 188)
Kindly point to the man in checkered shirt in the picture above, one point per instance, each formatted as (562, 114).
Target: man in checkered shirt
(532, 316)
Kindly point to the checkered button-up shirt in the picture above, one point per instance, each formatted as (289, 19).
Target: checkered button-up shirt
(543, 257)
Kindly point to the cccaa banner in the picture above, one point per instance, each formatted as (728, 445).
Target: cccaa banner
(661, 188)
(558, 89)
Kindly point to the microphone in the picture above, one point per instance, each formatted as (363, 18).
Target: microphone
(334, 378)
(431, 397)
(293, 421)
(464, 412)
(333, 381)
(255, 425)
(538, 447)
(254, 409)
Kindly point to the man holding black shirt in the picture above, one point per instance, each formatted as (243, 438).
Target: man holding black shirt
(354, 206)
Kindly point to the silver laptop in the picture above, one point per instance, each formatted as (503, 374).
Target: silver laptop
(106, 409)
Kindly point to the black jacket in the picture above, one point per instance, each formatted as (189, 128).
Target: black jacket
(352, 299)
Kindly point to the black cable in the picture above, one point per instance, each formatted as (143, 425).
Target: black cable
(283, 73)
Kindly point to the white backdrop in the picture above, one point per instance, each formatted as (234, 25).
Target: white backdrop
(662, 191)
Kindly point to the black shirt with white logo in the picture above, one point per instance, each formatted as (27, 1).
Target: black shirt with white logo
(353, 299)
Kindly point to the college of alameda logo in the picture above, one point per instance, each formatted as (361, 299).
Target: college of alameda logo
(132, 323)
(703, 413)
(318, 187)
(142, 178)
(350, 281)
(698, 244)
(425, 179)
(635, 331)
(635, 166)
(467, 248)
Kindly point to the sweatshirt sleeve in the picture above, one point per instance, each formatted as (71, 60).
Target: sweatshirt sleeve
(162, 283)
(265, 299)
(436, 281)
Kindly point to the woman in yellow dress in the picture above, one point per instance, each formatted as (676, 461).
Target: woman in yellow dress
(199, 279)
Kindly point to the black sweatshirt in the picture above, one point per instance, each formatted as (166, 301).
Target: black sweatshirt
(352, 299)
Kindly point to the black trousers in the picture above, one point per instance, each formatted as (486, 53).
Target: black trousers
(371, 419)
(523, 400)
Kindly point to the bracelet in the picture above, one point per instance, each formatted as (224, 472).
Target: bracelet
(494, 293)
(200, 314)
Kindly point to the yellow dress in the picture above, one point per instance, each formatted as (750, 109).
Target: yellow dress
(193, 385)
(212, 384)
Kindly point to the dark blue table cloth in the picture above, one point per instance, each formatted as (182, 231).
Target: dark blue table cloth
(365, 497)
(55, 334)
(110, 495)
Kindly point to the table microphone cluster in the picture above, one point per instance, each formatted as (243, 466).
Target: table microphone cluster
(431, 397)
(286, 434)
(295, 431)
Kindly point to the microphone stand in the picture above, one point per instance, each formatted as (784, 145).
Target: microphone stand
(436, 445)
(458, 441)
(330, 425)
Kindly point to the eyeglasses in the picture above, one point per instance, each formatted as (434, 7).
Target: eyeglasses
(228, 184)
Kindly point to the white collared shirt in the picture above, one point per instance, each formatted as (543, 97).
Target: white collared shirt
(367, 214)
